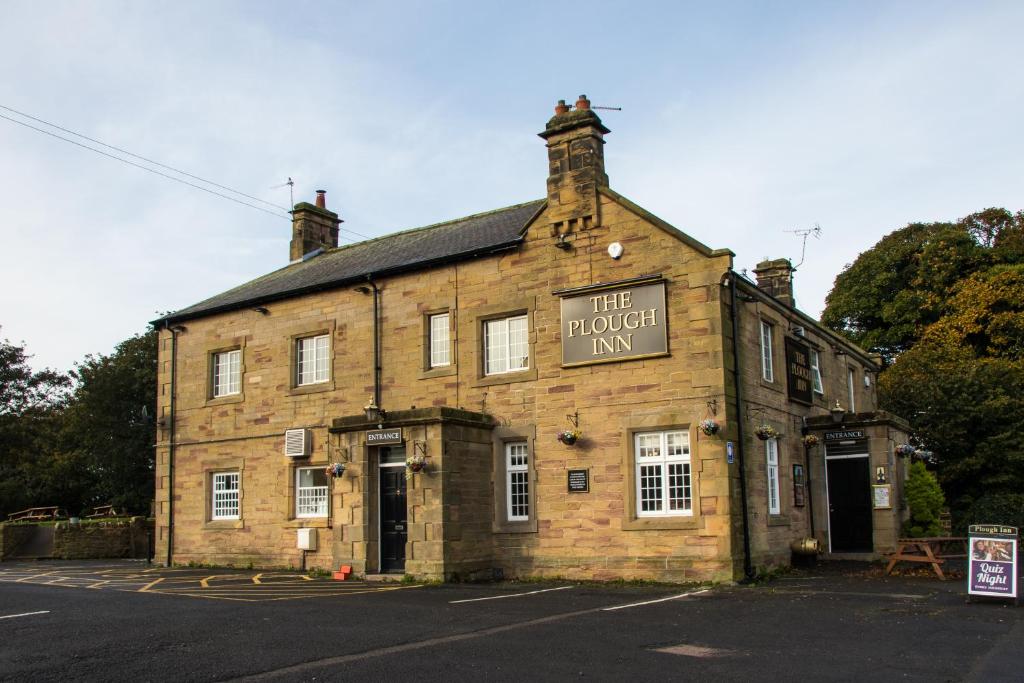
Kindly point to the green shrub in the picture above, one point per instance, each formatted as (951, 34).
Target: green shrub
(924, 496)
(993, 508)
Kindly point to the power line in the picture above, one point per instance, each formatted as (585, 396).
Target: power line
(139, 156)
(144, 168)
(154, 171)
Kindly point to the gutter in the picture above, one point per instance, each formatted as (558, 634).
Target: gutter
(748, 567)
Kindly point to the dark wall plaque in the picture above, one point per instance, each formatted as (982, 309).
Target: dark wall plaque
(614, 323)
(798, 371)
(383, 437)
(579, 481)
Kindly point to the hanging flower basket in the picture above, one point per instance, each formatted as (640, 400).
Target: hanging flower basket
(417, 462)
(811, 440)
(766, 431)
(569, 436)
(905, 449)
(708, 426)
(335, 470)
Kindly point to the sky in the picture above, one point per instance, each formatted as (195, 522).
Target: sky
(741, 123)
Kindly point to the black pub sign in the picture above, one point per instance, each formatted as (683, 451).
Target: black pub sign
(798, 372)
(579, 481)
(383, 437)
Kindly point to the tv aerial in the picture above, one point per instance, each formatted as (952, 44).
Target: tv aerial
(814, 232)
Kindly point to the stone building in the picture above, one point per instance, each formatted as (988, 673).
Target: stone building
(467, 347)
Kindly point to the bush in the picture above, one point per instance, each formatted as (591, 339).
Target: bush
(924, 496)
(993, 508)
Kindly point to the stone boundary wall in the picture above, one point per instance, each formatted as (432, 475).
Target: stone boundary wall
(115, 538)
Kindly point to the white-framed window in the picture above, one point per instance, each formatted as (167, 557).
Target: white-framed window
(771, 453)
(819, 388)
(767, 369)
(851, 385)
(506, 345)
(226, 490)
(517, 481)
(227, 373)
(663, 484)
(440, 341)
(311, 492)
(312, 360)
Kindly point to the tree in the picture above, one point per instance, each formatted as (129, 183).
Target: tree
(925, 500)
(885, 299)
(30, 408)
(108, 425)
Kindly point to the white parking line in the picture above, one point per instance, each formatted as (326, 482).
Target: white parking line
(651, 602)
(510, 595)
(26, 614)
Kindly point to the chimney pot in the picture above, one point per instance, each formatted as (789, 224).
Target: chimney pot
(583, 102)
(561, 108)
(321, 199)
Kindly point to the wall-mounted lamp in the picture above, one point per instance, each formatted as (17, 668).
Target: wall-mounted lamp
(562, 243)
(838, 412)
(375, 413)
(261, 309)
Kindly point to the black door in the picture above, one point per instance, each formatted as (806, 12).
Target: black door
(849, 505)
(392, 519)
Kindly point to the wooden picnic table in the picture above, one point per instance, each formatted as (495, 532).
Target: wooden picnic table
(102, 511)
(934, 550)
(36, 514)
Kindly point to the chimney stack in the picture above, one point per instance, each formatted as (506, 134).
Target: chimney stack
(575, 141)
(313, 227)
(775, 277)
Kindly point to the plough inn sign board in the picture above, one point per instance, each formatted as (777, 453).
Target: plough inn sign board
(614, 322)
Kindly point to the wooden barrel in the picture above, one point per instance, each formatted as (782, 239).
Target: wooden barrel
(805, 546)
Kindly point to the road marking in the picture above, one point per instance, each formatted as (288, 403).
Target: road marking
(25, 614)
(150, 585)
(510, 595)
(651, 602)
(693, 651)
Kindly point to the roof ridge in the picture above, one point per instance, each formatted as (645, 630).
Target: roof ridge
(431, 226)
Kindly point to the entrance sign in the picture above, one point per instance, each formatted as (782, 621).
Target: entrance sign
(798, 371)
(383, 437)
(579, 481)
(614, 322)
(992, 551)
(846, 435)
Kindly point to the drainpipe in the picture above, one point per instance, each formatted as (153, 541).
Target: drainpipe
(376, 335)
(170, 446)
(748, 568)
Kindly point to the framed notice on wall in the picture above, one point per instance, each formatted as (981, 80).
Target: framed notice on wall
(881, 496)
(798, 486)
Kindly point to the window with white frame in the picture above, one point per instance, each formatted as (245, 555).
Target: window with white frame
(226, 490)
(227, 373)
(311, 492)
(440, 342)
(771, 450)
(312, 360)
(506, 345)
(767, 369)
(850, 386)
(517, 481)
(819, 388)
(663, 484)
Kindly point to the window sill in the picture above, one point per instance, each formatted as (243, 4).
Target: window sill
(507, 378)
(445, 371)
(224, 524)
(308, 523)
(658, 523)
(312, 388)
(225, 400)
(527, 527)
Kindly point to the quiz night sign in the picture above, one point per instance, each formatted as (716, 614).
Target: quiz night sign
(614, 322)
(992, 554)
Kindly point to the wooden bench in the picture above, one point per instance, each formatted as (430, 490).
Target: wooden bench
(102, 511)
(934, 550)
(36, 514)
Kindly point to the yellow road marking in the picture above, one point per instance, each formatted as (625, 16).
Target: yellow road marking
(205, 583)
(256, 579)
(150, 585)
(34, 576)
(97, 584)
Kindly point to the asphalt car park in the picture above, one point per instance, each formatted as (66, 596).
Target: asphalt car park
(128, 621)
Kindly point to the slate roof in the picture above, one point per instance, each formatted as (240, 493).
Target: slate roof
(459, 239)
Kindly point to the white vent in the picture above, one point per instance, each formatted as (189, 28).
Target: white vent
(798, 330)
(296, 443)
